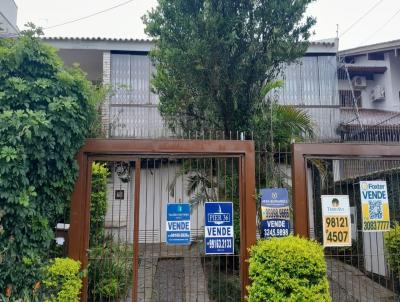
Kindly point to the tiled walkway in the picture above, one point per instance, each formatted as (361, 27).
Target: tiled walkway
(348, 284)
(154, 285)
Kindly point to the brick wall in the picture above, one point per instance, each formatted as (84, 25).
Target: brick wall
(105, 107)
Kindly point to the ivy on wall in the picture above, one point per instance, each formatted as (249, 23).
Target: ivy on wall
(46, 112)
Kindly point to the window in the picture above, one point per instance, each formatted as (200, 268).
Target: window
(346, 98)
(377, 56)
(133, 105)
(130, 78)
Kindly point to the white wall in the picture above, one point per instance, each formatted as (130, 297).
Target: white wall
(154, 197)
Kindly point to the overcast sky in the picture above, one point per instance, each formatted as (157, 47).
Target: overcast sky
(381, 24)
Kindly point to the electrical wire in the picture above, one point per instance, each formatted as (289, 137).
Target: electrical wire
(360, 18)
(382, 27)
(89, 16)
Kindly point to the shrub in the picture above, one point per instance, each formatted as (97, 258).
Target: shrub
(110, 271)
(392, 248)
(62, 281)
(46, 111)
(288, 269)
(25, 296)
(98, 206)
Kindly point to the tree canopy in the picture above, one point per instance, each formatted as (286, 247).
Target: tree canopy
(213, 58)
(46, 112)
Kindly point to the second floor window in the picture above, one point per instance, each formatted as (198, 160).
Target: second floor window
(130, 79)
(133, 105)
(346, 98)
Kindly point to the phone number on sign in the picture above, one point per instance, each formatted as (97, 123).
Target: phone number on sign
(276, 232)
(220, 243)
(280, 213)
(340, 236)
(376, 225)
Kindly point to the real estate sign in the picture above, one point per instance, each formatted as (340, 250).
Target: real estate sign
(275, 218)
(375, 206)
(219, 237)
(178, 223)
(336, 220)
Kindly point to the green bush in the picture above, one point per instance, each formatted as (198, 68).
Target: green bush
(98, 206)
(110, 270)
(46, 113)
(62, 280)
(25, 296)
(288, 269)
(392, 248)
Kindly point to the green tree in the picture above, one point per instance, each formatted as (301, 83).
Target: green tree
(214, 58)
(46, 112)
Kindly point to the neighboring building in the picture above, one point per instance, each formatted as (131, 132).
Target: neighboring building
(8, 18)
(369, 92)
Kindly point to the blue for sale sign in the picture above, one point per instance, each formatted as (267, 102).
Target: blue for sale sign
(275, 213)
(178, 223)
(219, 228)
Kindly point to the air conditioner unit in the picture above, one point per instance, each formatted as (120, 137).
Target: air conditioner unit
(378, 93)
(359, 82)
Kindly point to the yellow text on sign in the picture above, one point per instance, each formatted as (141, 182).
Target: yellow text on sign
(337, 230)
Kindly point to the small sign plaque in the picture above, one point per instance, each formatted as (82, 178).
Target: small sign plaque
(119, 194)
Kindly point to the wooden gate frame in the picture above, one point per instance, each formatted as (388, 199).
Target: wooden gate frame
(300, 152)
(133, 149)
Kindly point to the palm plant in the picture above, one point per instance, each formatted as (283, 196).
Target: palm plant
(201, 183)
(279, 125)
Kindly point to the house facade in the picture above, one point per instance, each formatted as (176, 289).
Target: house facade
(130, 110)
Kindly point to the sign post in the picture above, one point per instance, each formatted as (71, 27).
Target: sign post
(219, 238)
(178, 223)
(336, 220)
(275, 221)
(375, 206)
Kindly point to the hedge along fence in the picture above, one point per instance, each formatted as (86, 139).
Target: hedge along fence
(98, 208)
(288, 269)
(392, 248)
(62, 282)
(110, 267)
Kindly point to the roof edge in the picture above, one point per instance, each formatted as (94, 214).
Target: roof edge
(382, 46)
